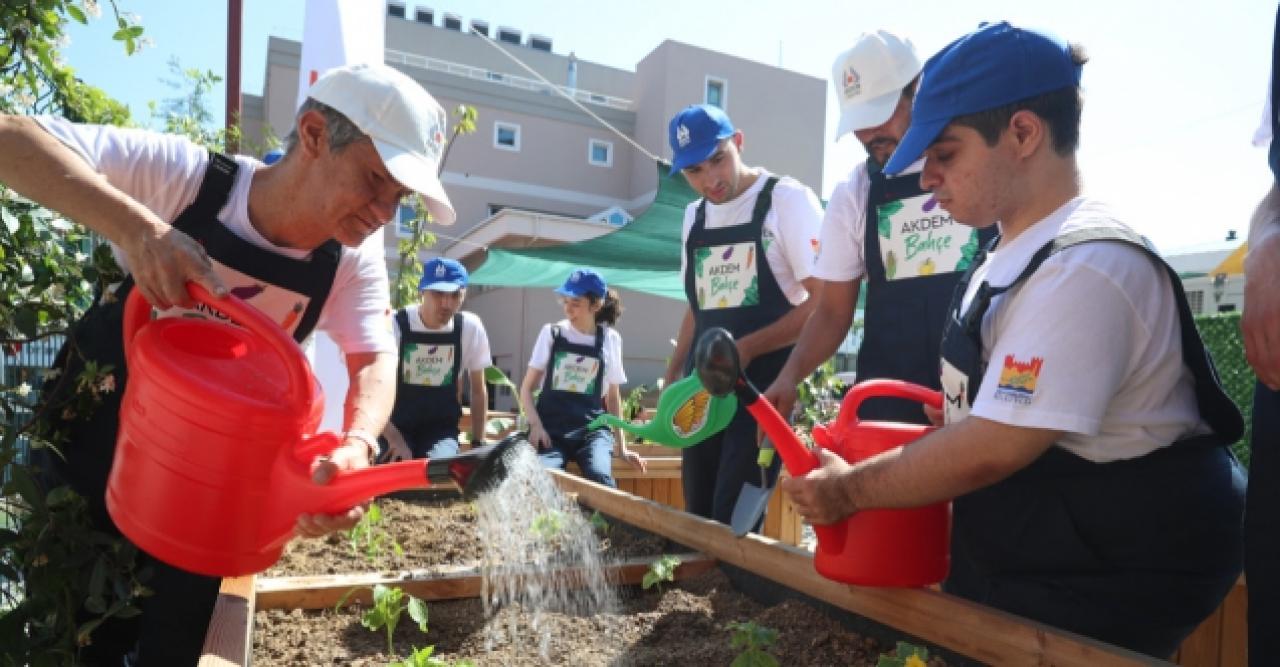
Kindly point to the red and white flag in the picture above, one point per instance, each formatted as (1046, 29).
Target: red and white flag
(340, 32)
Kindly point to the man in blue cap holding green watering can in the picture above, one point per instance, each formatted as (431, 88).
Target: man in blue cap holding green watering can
(1085, 438)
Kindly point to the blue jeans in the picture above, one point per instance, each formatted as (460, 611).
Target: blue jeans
(592, 452)
(434, 444)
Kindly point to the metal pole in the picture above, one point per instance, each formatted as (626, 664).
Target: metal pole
(234, 14)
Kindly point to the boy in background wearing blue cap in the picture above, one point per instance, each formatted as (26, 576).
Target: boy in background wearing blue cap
(438, 342)
(1086, 435)
(887, 231)
(747, 266)
(577, 362)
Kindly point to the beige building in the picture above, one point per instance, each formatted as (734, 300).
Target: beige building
(539, 170)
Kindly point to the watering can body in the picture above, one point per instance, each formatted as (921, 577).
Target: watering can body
(882, 547)
(217, 434)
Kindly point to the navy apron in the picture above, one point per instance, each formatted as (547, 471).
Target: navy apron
(573, 386)
(915, 254)
(1135, 552)
(174, 619)
(729, 284)
(427, 377)
(1262, 516)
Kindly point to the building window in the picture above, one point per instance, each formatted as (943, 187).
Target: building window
(540, 43)
(479, 26)
(717, 92)
(395, 10)
(1195, 299)
(422, 15)
(506, 136)
(600, 153)
(453, 22)
(494, 76)
(404, 220)
(509, 35)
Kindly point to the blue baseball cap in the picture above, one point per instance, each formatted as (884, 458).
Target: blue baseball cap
(582, 282)
(695, 133)
(441, 274)
(273, 156)
(995, 65)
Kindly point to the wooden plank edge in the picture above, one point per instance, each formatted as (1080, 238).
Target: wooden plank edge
(325, 592)
(985, 634)
(228, 640)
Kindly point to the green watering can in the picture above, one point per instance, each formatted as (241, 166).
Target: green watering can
(686, 415)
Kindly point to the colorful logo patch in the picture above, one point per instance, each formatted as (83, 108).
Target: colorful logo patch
(852, 82)
(1018, 379)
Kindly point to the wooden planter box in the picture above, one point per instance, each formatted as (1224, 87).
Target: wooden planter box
(960, 626)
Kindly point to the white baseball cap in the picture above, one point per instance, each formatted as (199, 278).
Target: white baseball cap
(406, 124)
(869, 79)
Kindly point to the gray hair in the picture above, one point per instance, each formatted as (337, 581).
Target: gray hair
(341, 131)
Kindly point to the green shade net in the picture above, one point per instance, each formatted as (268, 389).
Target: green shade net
(643, 256)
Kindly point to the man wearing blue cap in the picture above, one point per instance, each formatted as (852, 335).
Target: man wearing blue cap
(747, 267)
(1086, 434)
(438, 343)
(886, 230)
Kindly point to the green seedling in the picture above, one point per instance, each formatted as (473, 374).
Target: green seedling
(663, 569)
(494, 375)
(548, 526)
(389, 602)
(754, 640)
(599, 523)
(368, 536)
(421, 657)
(905, 655)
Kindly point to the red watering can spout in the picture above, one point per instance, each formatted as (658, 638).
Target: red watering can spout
(907, 547)
(217, 435)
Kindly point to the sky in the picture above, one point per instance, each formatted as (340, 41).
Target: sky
(1173, 92)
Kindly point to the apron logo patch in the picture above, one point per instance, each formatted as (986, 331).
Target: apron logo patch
(1018, 380)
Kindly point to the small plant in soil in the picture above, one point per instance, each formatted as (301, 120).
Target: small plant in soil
(754, 640)
(905, 655)
(421, 657)
(599, 523)
(370, 537)
(389, 602)
(663, 569)
(548, 526)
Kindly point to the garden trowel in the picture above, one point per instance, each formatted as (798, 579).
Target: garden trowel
(752, 499)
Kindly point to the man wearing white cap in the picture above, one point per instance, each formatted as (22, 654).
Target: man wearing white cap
(886, 229)
(288, 238)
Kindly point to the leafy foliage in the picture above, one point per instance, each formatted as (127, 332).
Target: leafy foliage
(905, 655)
(818, 397)
(405, 289)
(548, 526)
(370, 537)
(599, 523)
(389, 604)
(663, 569)
(754, 640)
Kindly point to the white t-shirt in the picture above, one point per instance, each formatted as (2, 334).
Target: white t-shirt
(1090, 344)
(613, 371)
(164, 173)
(789, 247)
(475, 341)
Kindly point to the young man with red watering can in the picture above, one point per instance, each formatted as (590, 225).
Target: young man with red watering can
(438, 342)
(288, 237)
(577, 364)
(1086, 433)
(1260, 324)
(747, 262)
(887, 230)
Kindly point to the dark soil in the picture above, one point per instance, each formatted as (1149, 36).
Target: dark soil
(683, 624)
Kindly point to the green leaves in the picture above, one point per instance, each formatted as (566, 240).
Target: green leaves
(369, 535)
(663, 569)
(905, 655)
(753, 640)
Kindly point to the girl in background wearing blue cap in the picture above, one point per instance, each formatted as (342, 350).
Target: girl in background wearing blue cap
(584, 353)
(438, 342)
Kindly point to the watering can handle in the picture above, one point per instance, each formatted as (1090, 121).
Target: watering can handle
(882, 388)
(137, 312)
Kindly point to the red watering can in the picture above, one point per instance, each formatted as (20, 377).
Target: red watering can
(217, 436)
(883, 547)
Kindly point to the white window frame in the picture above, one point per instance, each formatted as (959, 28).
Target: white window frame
(724, 90)
(591, 152)
(497, 126)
